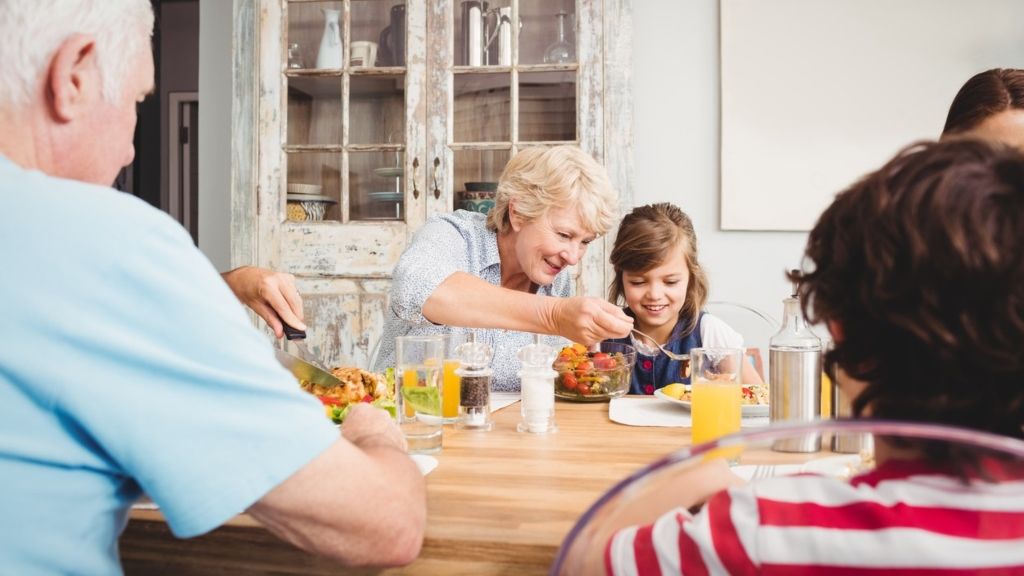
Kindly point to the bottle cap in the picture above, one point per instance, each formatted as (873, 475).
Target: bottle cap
(474, 355)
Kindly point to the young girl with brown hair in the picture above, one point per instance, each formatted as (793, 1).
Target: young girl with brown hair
(664, 288)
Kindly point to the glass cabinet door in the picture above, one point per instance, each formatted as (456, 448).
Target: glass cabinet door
(514, 77)
(346, 136)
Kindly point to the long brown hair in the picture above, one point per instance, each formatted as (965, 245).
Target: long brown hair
(646, 237)
(983, 96)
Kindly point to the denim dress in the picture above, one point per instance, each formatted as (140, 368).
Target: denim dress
(653, 372)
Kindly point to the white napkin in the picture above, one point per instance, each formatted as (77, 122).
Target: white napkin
(425, 463)
(650, 411)
(501, 399)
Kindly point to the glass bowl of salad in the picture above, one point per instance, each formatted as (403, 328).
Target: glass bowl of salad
(594, 376)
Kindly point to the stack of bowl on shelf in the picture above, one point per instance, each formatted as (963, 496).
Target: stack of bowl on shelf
(479, 196)
(306, 202)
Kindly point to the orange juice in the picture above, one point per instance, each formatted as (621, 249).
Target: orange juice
(716, 411)
(410, 377)
(450, 390)
(826, 396)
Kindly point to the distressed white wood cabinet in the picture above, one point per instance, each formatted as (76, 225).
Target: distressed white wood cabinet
(386, 127)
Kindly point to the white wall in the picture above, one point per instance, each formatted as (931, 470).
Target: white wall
(676, 94)
(215, 24)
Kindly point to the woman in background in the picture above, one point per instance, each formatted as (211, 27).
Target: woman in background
(504, 275)
(990, 106)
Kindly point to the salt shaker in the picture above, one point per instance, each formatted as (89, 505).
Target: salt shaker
(794, 387)
(474, 385)
(537, 384)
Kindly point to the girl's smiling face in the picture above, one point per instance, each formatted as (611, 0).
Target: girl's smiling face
(657, 295)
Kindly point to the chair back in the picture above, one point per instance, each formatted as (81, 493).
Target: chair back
(992, 486)
(757, 328)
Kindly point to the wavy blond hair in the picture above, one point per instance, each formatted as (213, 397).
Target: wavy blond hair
(539, 179)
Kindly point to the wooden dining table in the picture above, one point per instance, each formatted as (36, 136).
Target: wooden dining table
(499, 502)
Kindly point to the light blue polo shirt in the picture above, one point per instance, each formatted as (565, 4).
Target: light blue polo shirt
(126, 366)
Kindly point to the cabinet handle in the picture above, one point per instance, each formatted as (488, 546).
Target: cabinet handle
(415, 178)
(437, 186)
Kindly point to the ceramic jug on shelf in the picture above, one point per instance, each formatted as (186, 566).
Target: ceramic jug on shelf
(329, 55)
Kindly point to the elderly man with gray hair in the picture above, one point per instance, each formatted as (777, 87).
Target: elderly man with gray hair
(129, 367)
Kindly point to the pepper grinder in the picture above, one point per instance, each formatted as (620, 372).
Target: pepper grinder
(537, 384)
(474, 385)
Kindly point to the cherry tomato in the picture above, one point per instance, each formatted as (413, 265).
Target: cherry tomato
(584, 367)
(584, 389)
(328, 401)
(569, 381)
(604, 361)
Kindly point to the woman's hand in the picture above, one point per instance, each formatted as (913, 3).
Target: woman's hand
(590, 320)
(270, 294)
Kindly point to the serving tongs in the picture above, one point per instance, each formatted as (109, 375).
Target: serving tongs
(649, 350)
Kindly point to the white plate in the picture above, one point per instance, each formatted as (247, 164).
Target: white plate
(299, 188)
(389, 171)
(311, 198)
(842, 466)
(385, 196)
(749, 410)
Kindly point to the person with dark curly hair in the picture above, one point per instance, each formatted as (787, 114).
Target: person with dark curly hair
(918, 271)
(990, 105)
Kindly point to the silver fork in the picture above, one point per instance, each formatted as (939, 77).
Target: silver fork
(763, 471)
(649, 350)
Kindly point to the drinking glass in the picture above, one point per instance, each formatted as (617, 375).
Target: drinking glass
(419, 365)
(716, 400)
(451, 380)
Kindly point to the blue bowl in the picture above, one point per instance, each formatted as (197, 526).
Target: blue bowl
(481, 205)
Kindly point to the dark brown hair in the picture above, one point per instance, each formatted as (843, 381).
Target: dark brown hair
(984, 95)
(645, 238)
(921, 266)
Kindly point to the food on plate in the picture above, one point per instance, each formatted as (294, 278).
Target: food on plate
(585, 375)
(358, 385)
(674, 390)
(753, 394)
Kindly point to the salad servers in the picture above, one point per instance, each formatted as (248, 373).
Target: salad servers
(649, 350)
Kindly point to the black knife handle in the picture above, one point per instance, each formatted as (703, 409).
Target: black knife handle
(293, 333)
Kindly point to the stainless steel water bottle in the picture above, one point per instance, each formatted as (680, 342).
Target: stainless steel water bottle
(847, 443)
(794, 387)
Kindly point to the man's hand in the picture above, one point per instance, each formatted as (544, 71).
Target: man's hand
(270, 294)
(589, 320)
(366, 426)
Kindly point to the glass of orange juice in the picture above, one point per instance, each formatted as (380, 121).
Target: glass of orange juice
(716, 399)
(451, 380)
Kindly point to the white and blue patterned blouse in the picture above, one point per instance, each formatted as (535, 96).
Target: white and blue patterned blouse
(447, 243)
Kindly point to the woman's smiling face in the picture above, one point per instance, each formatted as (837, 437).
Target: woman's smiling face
(545, 246)
(657, 295)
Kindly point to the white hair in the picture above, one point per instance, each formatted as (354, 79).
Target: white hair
(32, 30)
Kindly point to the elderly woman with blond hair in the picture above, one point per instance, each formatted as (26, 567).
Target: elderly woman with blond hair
(504, 276)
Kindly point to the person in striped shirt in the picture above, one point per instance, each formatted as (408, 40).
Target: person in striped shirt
(918, 272)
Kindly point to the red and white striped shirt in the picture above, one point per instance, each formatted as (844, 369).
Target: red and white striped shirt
(903, 518)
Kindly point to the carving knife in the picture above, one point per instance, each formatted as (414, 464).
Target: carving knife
(302, 368)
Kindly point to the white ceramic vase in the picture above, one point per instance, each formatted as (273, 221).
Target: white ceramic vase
(329, 55)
